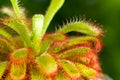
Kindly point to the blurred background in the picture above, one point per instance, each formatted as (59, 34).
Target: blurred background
(101, 12)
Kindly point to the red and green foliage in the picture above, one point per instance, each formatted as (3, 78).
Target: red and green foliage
(32, 54)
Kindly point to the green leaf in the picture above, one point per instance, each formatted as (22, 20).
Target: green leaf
(18, 71)
(3, 66)
(18, 64)
(61, 76)
(95, 42)
(5, 47)
(86, 71)
(55, 49)
(37, 75)
(55, 5)
(78, 40)
(16, 7)
(70, 69)
(19, 54)
(57, 37)
(45, 44)
(37, 21)
(6, 35)
(75, 52)
(20, 28)
(72, 42)
(82, 27)
(47, 64)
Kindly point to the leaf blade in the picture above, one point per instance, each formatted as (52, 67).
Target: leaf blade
(37, 75)
(55, 5)
(47, 64)
(16, 7)
(82, 27)
(70, 69)
(20, 28)
(37, 22)
(86, 71)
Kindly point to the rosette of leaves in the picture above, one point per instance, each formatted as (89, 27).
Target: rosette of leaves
(32, 54)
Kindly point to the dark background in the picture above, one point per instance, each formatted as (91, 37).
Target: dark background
(102, 12)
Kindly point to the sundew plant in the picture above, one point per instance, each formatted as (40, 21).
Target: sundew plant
(33, 54)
